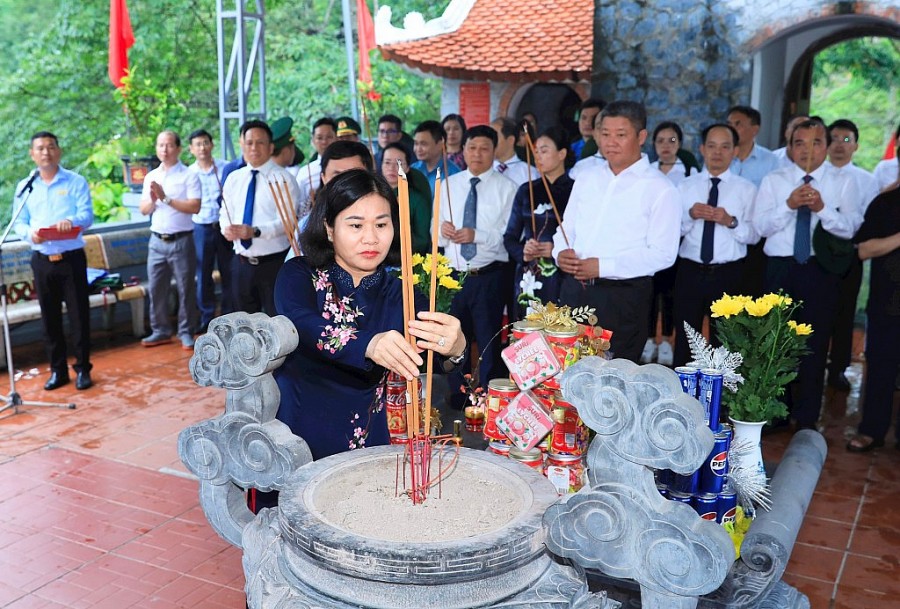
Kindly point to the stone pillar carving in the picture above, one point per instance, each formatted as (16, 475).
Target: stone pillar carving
(245, 446)
(619, 523)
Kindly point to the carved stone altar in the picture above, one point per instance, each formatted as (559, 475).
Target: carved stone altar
(618, 524)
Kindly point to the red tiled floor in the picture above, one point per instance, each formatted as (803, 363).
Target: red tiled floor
(116, 529)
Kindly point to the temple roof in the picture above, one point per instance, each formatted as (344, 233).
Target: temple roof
(510, 40)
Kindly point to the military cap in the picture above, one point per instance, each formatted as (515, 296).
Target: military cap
(281, 132)
(347, 126)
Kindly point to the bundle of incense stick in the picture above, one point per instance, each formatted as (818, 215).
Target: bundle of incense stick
(528, 158)
(284, 204)
(530, 145)
(412, 405)
(429, 358)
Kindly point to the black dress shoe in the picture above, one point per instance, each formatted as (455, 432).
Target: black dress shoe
(838, 381)
(83, 380)
(56, 381)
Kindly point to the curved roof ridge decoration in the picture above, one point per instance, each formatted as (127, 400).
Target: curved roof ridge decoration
(511, 40)
(414, 25)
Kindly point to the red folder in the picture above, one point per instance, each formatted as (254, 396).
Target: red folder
(52, 234)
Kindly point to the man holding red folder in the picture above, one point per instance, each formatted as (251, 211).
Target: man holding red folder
(57, 208)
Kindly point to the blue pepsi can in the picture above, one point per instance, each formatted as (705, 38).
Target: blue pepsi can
(661, 488)
(679, 497)
(689, 376)
(715, 468)
(726, 506)
(685, 483)
(706, 505)
(710, 396)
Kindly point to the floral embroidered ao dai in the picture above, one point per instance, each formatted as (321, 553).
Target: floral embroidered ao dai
(331, 395)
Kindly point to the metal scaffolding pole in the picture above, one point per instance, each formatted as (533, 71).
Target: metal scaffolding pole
(242, 72)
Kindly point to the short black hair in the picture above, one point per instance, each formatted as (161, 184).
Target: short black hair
(845, 123)
(634, 111)
(558, 135)
(670, 125)
(434, 128)
(325, 120)
(339, 194)
(454, 117)
(400, 147)
(391, 118)
(200, 133)
(593, 102)
(257, 124)
(42, 134)
(480, 131)
(811, 124)
(345, 149)
(705, 133)
(751, 113)
(508, 126)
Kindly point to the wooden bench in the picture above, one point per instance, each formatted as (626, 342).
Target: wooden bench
(110, 251)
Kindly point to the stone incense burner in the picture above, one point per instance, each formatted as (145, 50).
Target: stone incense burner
(494, 534)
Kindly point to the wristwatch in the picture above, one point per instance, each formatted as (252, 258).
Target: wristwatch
(256, 232)
(734, 222)
(456, 361)
(167, 201)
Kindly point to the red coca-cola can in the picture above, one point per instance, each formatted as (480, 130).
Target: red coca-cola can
(395, 406)
(500, 392)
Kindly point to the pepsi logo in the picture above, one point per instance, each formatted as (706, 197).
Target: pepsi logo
(718, 463)
(708, 516)
(729, 516)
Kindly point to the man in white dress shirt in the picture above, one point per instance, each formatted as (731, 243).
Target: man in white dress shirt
(472, 224)
(324, 132)
(253, 224)
(622, 224)
(844, 144)
(171, 195)
(790, 203)
(595, 160)
(716, 226)
(505, 160)
(887, 172)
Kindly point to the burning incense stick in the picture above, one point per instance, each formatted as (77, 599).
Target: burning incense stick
(562, 230)
(429, 364)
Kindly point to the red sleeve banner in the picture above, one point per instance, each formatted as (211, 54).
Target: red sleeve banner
(365, 28)
(121, 38)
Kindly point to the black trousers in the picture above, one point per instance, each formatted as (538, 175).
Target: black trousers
(622, 305)
(842, 332)
(663, 301)
(696, 287)
(882, 362)
(253, 285)
(58, 282)
(818, 290)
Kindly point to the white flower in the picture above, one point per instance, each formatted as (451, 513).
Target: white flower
(529, 284)
(543, 208)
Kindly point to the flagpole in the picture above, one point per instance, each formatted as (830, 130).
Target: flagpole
(351, 71)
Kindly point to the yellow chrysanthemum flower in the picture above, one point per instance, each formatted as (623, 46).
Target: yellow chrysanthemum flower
(800, 329)
(443, 260)
(759, 307)
(726, 307)
(417, 259)
(444, 270)
(415, 279)
(449, 282)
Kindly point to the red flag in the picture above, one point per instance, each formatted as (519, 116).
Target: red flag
(365, 28)
(121, 38)
(891, 150)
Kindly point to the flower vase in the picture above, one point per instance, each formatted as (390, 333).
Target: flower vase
(748, 433)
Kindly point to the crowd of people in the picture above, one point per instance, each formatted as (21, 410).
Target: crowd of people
(525, 214)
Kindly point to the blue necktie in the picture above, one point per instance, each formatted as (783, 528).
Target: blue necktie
(709, 227)
(248, 207)
(801, 230)
(470, 212)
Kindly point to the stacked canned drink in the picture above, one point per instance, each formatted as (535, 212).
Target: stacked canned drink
(706, 489)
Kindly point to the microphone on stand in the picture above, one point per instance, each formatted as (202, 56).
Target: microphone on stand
(29, 183)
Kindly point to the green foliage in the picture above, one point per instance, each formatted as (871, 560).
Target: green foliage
(771, 344)
(107, 198)
(56, 78)
(859, 79)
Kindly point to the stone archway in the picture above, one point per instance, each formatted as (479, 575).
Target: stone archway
(782, 63)
(552, 103)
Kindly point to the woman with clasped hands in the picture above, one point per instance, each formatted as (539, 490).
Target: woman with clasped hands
(348, 311)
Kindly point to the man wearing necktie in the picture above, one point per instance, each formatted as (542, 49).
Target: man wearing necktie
(172, 194)
(473, 219)
(790, 203)
(252, 223)
(505, 160)
(716, 228)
